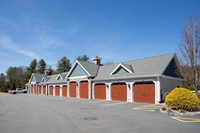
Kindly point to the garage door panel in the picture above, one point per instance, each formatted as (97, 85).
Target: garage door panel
(51, 90)
(44, 90)
(144, 93)
(100, 91)
(84, 89)
(57, 91)
(40, 89)
(73, 89)
(64, 91)
(35, 89)
(119, 92)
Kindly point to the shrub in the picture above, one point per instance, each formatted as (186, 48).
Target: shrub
(182, 98)
(164, 96)
(198, 95)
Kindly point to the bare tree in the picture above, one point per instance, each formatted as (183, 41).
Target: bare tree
(189, 53)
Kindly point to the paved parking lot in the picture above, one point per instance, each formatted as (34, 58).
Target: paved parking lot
(26, 113)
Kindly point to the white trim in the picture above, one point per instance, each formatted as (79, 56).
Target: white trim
(120, 64)
(77, 77)
(61, 90)
(76, 62)
(42, 80)
(59, 76)
(31, 78)
(54, 90)
(168, 77)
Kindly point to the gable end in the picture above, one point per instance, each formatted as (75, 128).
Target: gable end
(78, 71)
(172, 69)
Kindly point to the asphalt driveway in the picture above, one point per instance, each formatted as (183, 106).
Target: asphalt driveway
(26, 113)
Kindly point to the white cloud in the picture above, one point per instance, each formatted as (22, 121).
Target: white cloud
(7, 42)
(46, 41)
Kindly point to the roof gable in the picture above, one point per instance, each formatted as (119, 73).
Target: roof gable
(172, 69)
(32, 79)
(43, 80)
(77, 71)
(59, 77)
(122, 68)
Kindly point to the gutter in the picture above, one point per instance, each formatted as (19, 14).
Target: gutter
(145, 76)
(136, 77)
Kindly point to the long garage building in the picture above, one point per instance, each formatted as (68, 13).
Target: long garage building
(143, 80)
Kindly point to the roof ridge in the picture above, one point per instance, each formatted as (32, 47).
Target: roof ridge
(87, 62)
(140, 59)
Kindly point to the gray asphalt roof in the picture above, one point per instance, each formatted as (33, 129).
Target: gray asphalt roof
(147, 66)
(38, 77)
(91, 68)
(52, 79)
(141, 67)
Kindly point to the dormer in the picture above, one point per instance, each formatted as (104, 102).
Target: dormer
(122, 68)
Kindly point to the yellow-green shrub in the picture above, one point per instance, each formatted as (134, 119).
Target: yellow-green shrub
(182, 98)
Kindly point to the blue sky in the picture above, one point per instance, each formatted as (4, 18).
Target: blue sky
(115, 30)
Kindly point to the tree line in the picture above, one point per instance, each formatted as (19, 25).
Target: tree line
(17, 77)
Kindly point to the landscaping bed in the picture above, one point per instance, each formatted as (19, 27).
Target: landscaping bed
(180, 112)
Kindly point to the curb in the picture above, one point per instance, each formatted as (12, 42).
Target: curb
(178, 114)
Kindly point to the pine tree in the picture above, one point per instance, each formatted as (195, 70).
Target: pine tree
(33, 66)
(41, 66)
(83, 58)
(63, 65)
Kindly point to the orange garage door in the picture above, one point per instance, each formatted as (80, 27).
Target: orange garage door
(144, 92)
(84, 89)
(57, 90)
(51, 90)
(100, 91)
(35, 89)
(64, 91)
(72, 89)
(44, 90)
(40, 89)
(119, 92)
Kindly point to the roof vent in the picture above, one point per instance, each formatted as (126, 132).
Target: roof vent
(96, 60)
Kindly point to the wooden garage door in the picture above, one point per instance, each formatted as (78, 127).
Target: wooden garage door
(64, 91)
(144, 92)
(31, 88)
(40, 89)
(119, 92)
(51, 90)
(57, 90)
(44, 90)
(84, 89)
(35, 89)
(100, 91)
(72, 89)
